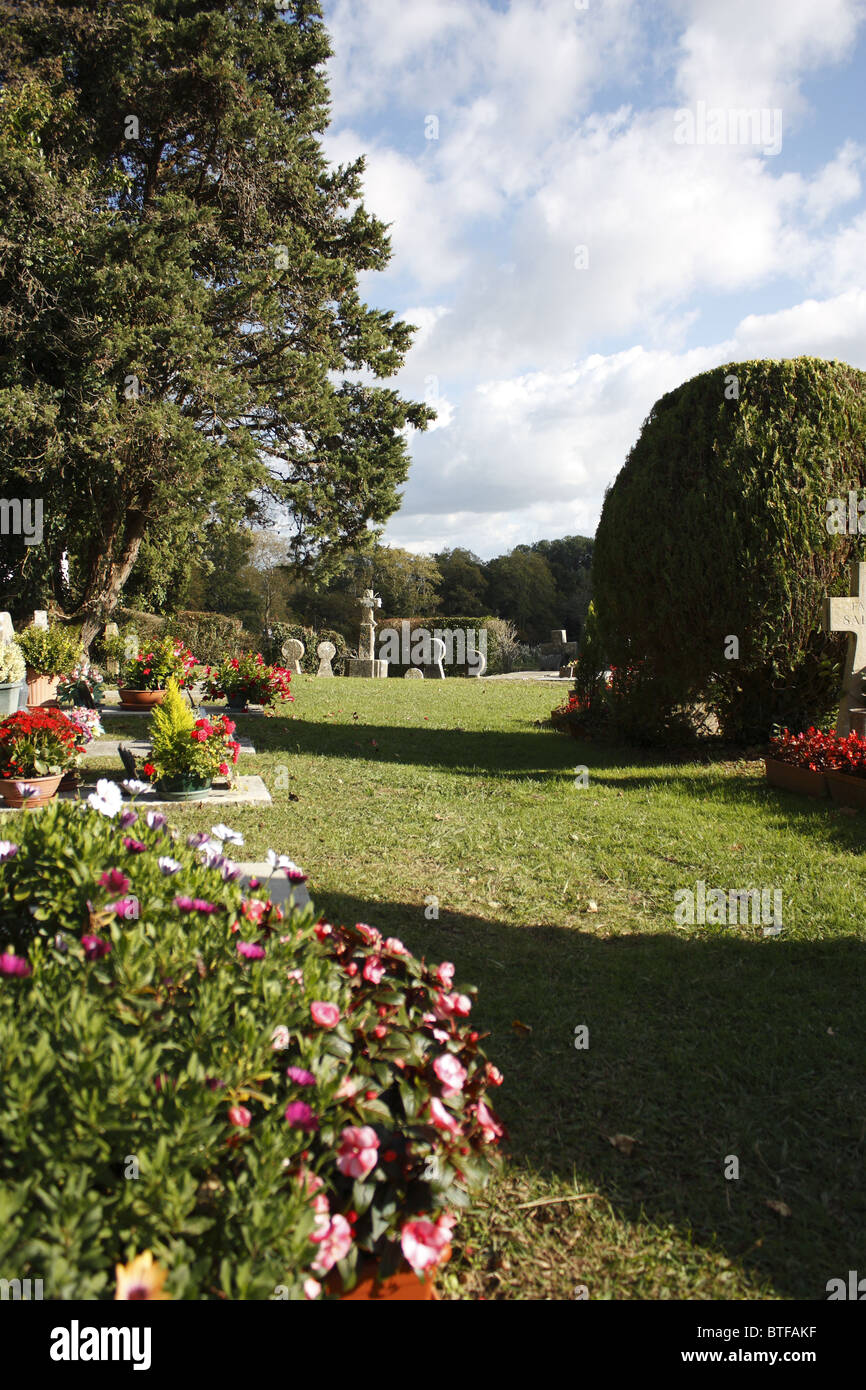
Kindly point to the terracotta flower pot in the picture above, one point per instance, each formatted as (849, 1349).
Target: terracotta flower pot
(403, 1287)
(847, 790)
(139, 699)
(41, 690)
(47, 790)
(791, 778)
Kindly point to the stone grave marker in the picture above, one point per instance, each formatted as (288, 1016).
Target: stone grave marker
(849, 615)
(293, 653)
(413, 674)
(366, 663)
(435, 671)
(325, 651)
(7, 631)
(40, 618)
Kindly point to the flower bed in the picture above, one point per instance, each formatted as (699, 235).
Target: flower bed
(247, 679)
(815, 762)
(168, 659)
(210, 1097)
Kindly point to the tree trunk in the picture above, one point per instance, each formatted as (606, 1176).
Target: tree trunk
(107, 578)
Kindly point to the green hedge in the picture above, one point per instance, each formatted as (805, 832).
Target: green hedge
(442, 623)
(717, 527)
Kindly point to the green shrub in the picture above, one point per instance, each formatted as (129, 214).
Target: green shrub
(51, 651)
(211, 636)
(717, 527)
(280, 633)
(148, 1014)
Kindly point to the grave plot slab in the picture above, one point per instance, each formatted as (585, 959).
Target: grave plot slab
(247, 791)
(278, 889)
(139, 747)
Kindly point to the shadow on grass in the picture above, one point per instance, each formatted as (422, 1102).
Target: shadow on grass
(698, 1050)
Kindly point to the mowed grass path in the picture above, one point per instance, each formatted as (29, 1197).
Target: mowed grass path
(704, 1042)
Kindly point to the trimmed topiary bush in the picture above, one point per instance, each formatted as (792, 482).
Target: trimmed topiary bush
(258, 1102)
(717, 528)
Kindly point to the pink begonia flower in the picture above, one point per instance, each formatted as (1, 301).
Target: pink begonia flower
(115, 881)
(300, 1116)
(450, 1073)
(494, 1075)
(10, 964)
(311, 1182)
(326, 1015)
(301, 1076)
(426, 1243)
(323, 929)
(395, 946)
(490, 1126)
(240, 1116)
(250, 950)
(280, 1038)
(348, 1089)
(370, 934)
(357, 1154)
(374, 970)
(447, 1005)
(312, 1288)
(334, 1239)
(442, 1118)
(94, 947)
(445, 974)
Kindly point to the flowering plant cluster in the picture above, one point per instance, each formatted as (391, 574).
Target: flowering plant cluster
(249, 678)
(82, 683)
(38, 743)
(183, 746)
(87, 722)
(295, 1096)
(168, 659)
(12, 667)
(821, 752)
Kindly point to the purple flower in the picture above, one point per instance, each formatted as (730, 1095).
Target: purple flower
(26, 790)
(185, 904)
(156, 820)
(8, 850)
(134, 846)
(10, 964)
(128, 818)
(114, 880)
(197, 839)
(94, 947)
(250, 950)
(299, 1114)
(303, 1078)
(230, 871)
(167, 865)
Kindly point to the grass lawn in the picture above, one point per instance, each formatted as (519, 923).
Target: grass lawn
(704, 1041)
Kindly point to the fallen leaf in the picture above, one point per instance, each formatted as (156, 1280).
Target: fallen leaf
(623, 1143)
(781, 1207)
(521, 1027)
(592, 906)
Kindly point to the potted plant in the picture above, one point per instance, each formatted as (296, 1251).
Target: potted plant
(89, 726)
(319, 1096)
(12, 674)
(36, 748)
(799, 762)
(81, 687)
(145, 678)
(49, 653)
(247, 680)
(187, 753)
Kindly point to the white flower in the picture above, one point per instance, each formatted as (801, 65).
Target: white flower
(223, 832)
(8, 850)
(167, 865)
(134, 787)
(107, 799)
(280, 1038)
(282, 861)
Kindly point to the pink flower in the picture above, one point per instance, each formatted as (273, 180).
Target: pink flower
(115, 881)
(450, 1073)
(296, 975)
(312, 1288)
(494, 1075)
(250, 951)
(326, 1015)
(300, 1116)
(374, 970)
(134, 846)
(334, 1239)
(370, 934)
(395, 946)
(10, 964)
(323, 929)
(358, 1152)
(490, 1126)
(445, 974)
(126, 908)
(442, 1118)
(302, 1077)
(348, 1089)
(280, 1038)
(94, 947)
(447, 1005)
(240, 1116)
(426, 1243)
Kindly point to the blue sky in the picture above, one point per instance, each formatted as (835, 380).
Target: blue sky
(556, 131)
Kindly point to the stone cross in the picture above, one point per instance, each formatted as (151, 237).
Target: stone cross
(849, 615)
(325, 651)
(367, 642)
(7, 631)
(293, 652)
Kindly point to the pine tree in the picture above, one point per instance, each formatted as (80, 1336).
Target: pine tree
(180, 323)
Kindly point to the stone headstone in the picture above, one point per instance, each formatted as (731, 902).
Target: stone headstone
(366, 664)
(40, 618)
(325, 651)
(413, 674)
(293, 653)
(7, 631)
(849, 615)
(558, 635)
(435, 671)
